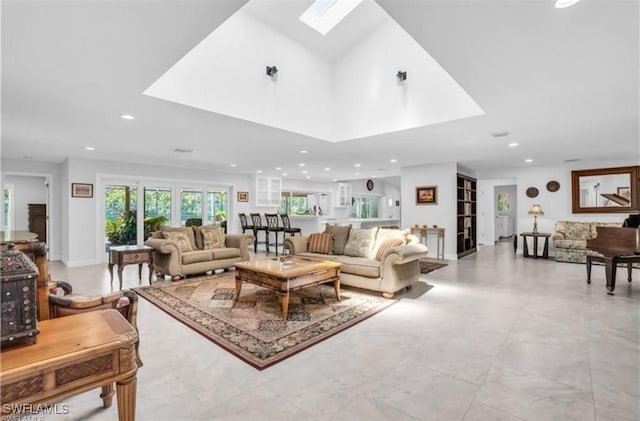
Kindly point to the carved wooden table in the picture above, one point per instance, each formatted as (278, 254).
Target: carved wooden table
(287, 274)
(129, 255)
(72, 354)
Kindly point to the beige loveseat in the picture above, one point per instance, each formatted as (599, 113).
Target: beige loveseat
(374, 263)
(570, 239)
(190, 250)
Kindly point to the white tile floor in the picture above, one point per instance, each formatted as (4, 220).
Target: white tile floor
(490, 337)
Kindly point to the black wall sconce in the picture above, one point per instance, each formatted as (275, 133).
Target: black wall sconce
(272, 70)
(402, 76)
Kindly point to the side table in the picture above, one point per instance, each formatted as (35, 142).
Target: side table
(535, 235)
(128, 255)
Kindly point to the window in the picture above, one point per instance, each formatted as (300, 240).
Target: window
(8, 209)
(364, 207)
(190, 205)
(157, 202)
(120, 204)
(504, 202)
(217, 205)
(300, 203)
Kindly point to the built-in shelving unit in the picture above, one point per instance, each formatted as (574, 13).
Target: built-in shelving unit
(466, 215)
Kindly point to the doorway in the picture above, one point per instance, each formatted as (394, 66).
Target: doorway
(506, 210)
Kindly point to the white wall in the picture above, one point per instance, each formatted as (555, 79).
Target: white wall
(556, 205)
(443, 214)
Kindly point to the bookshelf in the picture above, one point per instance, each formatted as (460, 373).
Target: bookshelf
(466, 215)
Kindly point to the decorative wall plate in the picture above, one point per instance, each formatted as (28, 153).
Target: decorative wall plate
(553, 186)
(369, 185)
(532, 192)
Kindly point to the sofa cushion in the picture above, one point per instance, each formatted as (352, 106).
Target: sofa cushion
(340, 236)
(369, 268)
(196, 256)
(360, 242)
(386, 245)
(188, 231)
(386, 234)
(180, 238)
(570, 244)
(225, 253)
(320, 243)
(319, 256)
(210, 237)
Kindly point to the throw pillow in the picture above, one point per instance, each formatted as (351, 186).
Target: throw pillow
(320, 243)
(386, 245)
(188, 231)
(360, 242)
(340, 236)
(212, 238)
(180, 238)
(385, 234)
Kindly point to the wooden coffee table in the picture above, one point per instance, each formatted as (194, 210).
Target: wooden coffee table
(287, 274)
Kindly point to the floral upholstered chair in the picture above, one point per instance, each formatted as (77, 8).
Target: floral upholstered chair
(570, 239)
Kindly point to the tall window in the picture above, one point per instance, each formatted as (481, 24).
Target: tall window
(120, 204)
(7, 209)
(157, 202)
(217, 204)
(190, 205)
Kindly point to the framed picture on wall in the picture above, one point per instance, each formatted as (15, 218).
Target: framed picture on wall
(81, 190)
(427, 195)
(243, 196)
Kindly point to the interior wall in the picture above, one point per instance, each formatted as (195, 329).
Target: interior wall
(443, 213)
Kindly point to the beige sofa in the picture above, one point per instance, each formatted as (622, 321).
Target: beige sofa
(396, 268)
(570, 239)
(184, 251)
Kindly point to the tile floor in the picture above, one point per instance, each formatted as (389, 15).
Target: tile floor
(490, 337)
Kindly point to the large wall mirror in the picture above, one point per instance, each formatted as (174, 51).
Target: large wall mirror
(605, 190)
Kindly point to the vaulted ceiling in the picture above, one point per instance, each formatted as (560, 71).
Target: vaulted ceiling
(562, 82)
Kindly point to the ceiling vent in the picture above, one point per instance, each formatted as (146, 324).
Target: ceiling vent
(184, 150)
(500, 134)
(572, 160)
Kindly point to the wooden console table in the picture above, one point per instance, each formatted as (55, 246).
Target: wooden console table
(423, 232)
(71, 355)
(129, 255)
(535, 235)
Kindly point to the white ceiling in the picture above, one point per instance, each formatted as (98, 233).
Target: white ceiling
(564, 82)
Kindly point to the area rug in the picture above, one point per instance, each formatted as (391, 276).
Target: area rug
(429, 265)
(253, 329)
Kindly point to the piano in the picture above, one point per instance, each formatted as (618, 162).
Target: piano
(613, 246)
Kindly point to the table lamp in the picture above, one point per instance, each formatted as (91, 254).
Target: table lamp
(535, 211)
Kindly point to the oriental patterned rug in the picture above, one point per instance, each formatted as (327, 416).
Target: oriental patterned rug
(253, 329)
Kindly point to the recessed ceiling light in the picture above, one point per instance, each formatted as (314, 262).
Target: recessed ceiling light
(373, 176)
(233, 165)
(259, 171)
(327, 169)
(303, 151)
(561, 4)
(301, 164)
(357, 165)
(513, 144)
(308, 177)
(127, 117)
(393, 161)
(184, 150)
(304, 171)
(357, 173)
(324, 15)
(278, 168)
(334, 180)
(528, 160)
(90, 148)
(284, 174)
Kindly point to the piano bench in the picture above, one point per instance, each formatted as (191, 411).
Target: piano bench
(620, 260)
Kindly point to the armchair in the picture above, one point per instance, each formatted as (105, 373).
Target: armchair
(68, 303)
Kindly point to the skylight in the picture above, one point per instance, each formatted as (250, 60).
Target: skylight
(323, 15)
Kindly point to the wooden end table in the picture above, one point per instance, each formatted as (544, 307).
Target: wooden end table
(287, 274)
(72, 354)
(129, 255)
(535, 235)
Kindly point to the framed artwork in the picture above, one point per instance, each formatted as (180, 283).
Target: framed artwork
(81, 190)
(243, 196)
(397, 203)
(427, 195)
(624, 192)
